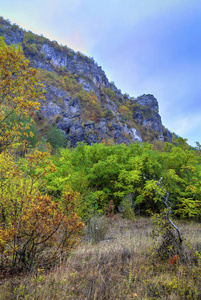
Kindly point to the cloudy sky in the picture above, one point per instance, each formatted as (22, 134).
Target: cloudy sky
(144, 46)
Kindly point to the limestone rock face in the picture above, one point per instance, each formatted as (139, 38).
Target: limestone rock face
(134, 133)
(147, 114)
(64, 109)
(77, 64)
(86, 85)
(14, 37)
(76, 133)
(65, 113)
(148, 101)
(50, 110)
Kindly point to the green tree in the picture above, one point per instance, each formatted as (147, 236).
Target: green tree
(56, 137)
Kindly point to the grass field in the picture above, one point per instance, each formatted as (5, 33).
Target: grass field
(125, 265)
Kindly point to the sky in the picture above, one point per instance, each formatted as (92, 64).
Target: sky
(144, 47)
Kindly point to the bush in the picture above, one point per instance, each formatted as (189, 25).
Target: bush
(126, 207)
(34, 229)
(169, 246)
(97, 227)
(56, 137)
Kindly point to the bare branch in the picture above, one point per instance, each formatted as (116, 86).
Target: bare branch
(169, 206)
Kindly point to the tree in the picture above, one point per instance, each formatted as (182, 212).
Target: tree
(34, 229)
(20, 92)
(165, 195)
(56, 137)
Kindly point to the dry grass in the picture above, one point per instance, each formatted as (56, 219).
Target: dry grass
(124, 266)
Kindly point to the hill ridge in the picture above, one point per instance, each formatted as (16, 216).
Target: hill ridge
(80, 100)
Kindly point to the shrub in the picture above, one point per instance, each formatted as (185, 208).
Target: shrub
(34, 229)
(169, 246)
(126, 207)
(97, 227)
(56, 137)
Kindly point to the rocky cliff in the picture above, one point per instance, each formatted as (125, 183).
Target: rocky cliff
(80, 100)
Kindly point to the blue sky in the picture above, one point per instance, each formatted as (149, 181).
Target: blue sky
(144, 46)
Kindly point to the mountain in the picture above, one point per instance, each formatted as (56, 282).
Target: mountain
(80, 100)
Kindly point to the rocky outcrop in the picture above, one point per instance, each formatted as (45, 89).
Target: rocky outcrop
(65, 113)
(94, 79)
(77, 63)
(15, 36)
(64, 110)
(148, 101)
(147, 114)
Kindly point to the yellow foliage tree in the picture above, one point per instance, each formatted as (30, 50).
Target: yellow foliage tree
(20, 92)
(34, 229)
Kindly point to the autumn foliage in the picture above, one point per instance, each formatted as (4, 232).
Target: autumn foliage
(20, 91)
(35, 228)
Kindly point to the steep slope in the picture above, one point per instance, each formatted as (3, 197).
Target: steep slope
(80, 100)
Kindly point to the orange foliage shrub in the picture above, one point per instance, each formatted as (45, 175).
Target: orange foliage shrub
(34, 229)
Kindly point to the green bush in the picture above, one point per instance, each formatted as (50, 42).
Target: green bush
(56, 137)
(126, 207)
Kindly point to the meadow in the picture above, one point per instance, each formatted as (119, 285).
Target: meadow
(125, 265)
